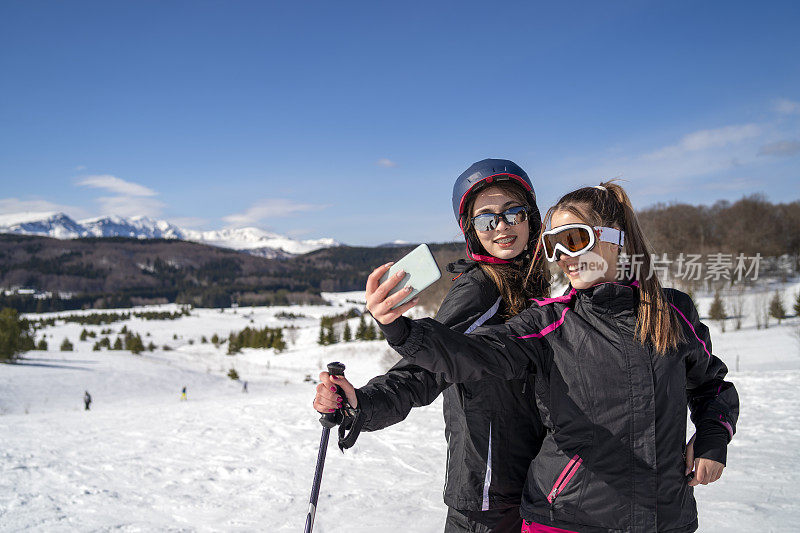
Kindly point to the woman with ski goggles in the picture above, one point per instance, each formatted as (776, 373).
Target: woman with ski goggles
(616, 365)
(493, 429)
(577, 239)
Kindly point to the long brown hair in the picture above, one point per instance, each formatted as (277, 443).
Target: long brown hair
(608, 205)
(526, 276)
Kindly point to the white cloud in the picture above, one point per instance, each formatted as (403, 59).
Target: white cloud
(388, 163)
(116, 185)
(15, 205)
(80, 168)
(780, 148)
(696, 161)
(707, 139)
(131, 199)
(787, 107)
(268, 209)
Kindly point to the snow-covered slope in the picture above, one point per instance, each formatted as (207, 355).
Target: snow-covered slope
(142, 460)
(57, 225)
(250, 239)
(136, 227)
(255, 239)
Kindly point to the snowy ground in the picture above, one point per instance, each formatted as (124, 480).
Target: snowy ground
(142, 460)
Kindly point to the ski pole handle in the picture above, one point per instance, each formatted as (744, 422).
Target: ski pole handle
(336, 368)
(330, 420)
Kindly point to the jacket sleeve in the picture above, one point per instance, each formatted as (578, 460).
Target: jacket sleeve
(713, 401)
(506, 351)
(387, 399)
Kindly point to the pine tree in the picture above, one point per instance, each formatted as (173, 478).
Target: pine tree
(66, 346)
(117, 344)
(233, 374)
(717, 310)
(84, 335)
(235, 343)
(277, 341)
(323, 339)
(776, 309)
(331, 335)
(42, 345)
(14, 334)
(347, 335)
(370, 334)
(797, 304)
(362, 328)
(134, 343)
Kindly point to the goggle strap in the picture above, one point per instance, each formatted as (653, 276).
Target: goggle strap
(612, 235)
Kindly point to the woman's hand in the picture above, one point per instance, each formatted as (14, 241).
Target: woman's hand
(378, 304)
(705, 470)
(327, 399)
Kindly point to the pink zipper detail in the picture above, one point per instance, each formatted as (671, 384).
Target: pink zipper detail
(563, 479)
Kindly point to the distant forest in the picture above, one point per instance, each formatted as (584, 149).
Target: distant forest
(121, 272)
(750, 225)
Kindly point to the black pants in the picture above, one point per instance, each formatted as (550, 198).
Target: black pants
(495, 521)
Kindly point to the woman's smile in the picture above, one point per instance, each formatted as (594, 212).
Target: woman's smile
(506, 241)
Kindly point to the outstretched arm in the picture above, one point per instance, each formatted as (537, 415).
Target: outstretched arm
(494, 350)
(387, 399)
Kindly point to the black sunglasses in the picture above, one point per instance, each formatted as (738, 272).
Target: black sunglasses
(490, 221)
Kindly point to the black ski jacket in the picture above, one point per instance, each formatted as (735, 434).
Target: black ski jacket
(492, 426)
(614, 409)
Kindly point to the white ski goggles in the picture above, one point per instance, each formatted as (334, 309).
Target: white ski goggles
(577, 239)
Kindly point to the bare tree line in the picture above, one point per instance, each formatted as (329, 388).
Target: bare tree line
(750, 225)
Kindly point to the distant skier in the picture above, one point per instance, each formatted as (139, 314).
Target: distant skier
(87, 400)
(244, 387)
(183, 394)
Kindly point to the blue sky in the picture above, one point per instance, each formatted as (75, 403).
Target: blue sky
(352, 119)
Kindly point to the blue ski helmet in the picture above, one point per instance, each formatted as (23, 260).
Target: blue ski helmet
(476, 178)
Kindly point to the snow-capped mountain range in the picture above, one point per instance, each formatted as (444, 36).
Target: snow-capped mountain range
(250, 239)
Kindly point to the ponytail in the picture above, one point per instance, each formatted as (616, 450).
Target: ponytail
(609, 205)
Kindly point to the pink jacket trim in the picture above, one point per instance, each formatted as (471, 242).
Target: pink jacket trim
(693, 331)
(533, 527)
(552, 327)
(727, 426)
(561, 482)
(565, 298)
(487, 258)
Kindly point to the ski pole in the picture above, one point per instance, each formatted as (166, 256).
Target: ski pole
(328, 421)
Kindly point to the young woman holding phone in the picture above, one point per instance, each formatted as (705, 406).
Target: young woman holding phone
(617, 361)
(492, 425)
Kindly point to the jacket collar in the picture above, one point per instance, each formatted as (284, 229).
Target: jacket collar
(611, 295)
(461, 266)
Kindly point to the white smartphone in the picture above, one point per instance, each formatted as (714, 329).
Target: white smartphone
(421, 271)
